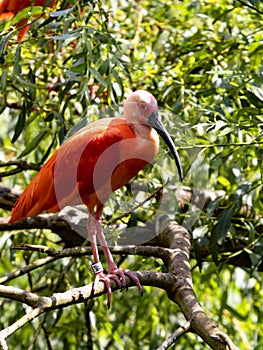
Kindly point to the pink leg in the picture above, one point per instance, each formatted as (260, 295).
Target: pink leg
(118, 275)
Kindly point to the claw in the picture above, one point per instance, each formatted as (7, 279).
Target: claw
(106, 279)
(130, 274)
(118, 276)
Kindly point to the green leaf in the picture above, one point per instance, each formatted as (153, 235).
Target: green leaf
(213, 245)
(34, 143)
(77, 127)
(104, 67)
(256, 101)
(224, 225)
(34, 11)
(224, 181)
(65, 91)
(133, 220)
(98, 77)
(198, 255)
(66, 38)
(3, 79)
(227, 130)
(213, 206)
(20, 123)
(239, 193)
(118, 80)
(61, 12)
(45, 156)
(17, 68)
(62, 134)
(3, 44)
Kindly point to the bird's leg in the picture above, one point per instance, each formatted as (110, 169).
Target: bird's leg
(114, 273)
(93, 229)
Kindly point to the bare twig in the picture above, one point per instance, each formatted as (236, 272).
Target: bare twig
(250, 6)
(20, 166)
(157, 252)
(175, 336)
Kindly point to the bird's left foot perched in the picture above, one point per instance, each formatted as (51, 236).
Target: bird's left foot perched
(118, 276)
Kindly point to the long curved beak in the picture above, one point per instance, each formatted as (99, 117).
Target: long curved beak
(155, 121)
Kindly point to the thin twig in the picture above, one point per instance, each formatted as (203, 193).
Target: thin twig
(175, 336)
(157, 252)
(139, 205)
(20, 166)
(30, 267)
(250, 6)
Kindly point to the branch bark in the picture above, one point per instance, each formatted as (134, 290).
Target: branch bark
(19, 165)
(41, 304)
(179, 240)
(173, 246)
(177, 283)
(70, 224)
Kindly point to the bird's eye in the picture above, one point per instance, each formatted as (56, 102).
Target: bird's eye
(143, 107)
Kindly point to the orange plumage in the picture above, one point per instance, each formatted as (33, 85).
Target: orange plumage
(93, 163)
(68, 176)
(9, 8)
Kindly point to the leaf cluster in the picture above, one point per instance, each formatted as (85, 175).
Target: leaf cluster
(203, 63)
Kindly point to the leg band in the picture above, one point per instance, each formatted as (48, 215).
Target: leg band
(96, 268)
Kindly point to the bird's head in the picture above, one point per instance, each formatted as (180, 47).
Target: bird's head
(141, 107)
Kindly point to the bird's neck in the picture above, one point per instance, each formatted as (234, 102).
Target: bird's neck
(148, 137)
(140, 130)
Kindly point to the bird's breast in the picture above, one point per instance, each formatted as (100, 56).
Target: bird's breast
(120, 155)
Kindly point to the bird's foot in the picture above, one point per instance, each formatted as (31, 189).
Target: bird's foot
(118, 276)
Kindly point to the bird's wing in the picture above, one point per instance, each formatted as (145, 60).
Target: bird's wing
(67, 177)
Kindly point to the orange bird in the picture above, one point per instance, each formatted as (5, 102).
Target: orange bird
(9, 8)
(93, 163)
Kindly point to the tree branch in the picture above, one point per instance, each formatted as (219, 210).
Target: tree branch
(73, 296)
(250, 6)
(70, 225)
(8, 196)
(177, 283)
(147, 251)
(177, 238)
(20, 165)
(175, 336)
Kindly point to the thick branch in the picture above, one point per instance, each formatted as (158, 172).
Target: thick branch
(177, 238)
(177, 283)
(157, 252)
(73, 296)
(53, 222)
(70, 225)
(8, 196)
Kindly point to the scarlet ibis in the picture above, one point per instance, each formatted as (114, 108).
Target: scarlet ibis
(9, 8)
(93, 163)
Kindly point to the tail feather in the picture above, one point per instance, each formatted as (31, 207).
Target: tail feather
(39, 195)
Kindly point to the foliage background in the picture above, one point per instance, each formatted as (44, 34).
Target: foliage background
(202, 60)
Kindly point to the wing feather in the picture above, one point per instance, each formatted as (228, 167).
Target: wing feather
(67, 178)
